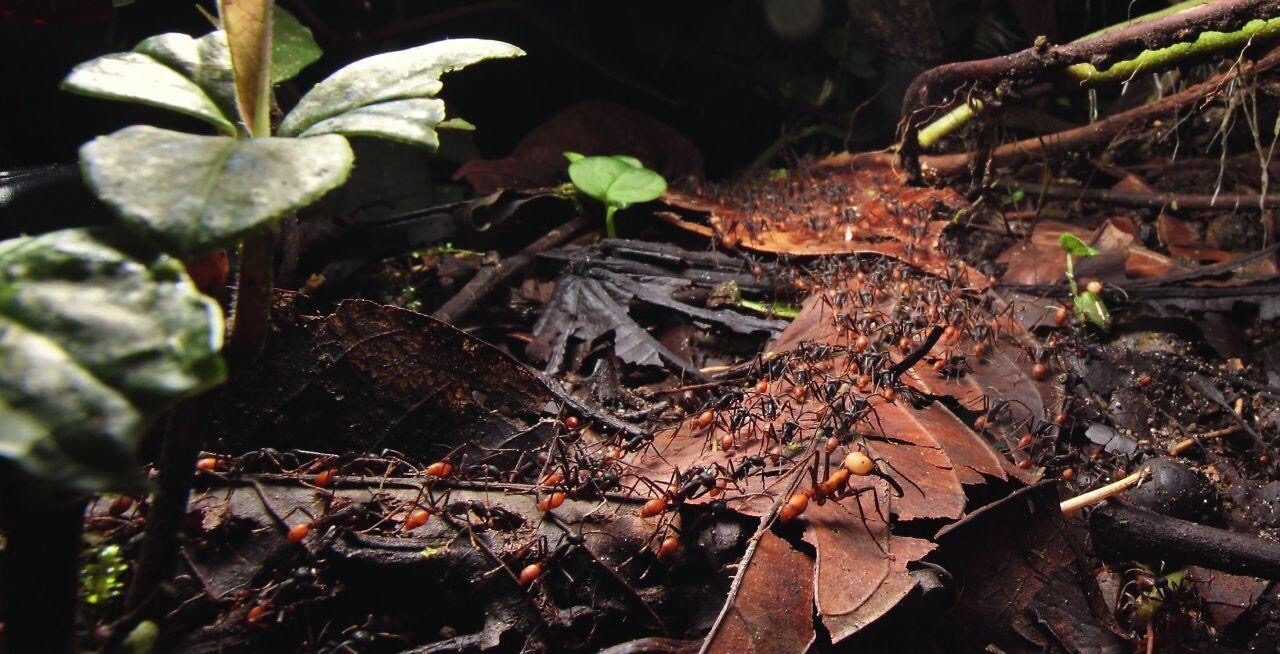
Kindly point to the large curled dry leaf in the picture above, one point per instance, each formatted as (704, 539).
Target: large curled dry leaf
(98, 334)
(192, 194)
(824, 382)
(775, 612)
(370, 376)
(392, 77)
(861, 211)
(590, 128)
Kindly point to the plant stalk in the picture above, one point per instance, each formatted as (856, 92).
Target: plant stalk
(251, 305)
(175, 470)
(609, 230)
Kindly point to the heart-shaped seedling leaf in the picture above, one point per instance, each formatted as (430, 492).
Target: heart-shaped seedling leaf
(193, 194)
(1072, 245)
(98, 335)
(615, 180)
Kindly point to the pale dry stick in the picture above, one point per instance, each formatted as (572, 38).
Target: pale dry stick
(1099, 494)
(1188, 443)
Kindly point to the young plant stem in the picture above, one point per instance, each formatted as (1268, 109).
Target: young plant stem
(251, 305)
(1071, 276)
(609, 230)
(39, 580)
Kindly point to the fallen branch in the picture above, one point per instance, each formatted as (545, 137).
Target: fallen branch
(489, 278)
(1110, 46)
(1127, 531)
(1076, 138)
(1153, 200)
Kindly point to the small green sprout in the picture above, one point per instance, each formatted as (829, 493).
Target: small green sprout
(618, 181)
(1088, 303)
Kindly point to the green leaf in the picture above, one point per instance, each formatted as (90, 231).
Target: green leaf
(137, 77)
(459, 124)
(636, 185)
(617, 180)
(98, 335)
(574, 156)
(406, 121)
(193, 194)
(1071, 244)
(248, 27)
(1091, 306)
(205, 61)
(594, 175)
(292, 46)
(401, 75)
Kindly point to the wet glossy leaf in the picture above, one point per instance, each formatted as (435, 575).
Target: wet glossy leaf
(137, 77)
(193, 194)
(97, 335)
(292, 46)
(401, 75)
(247, 24)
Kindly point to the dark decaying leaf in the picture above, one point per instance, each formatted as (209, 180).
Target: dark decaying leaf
(589, 128)
(1040, 259)
(1226, 596)
(861, 211)
(1062, 608)
(590, 301)
(371, 376)
(344, 231)
(1003, 556)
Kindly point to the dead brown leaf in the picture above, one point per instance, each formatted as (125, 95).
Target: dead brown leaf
(857, 211)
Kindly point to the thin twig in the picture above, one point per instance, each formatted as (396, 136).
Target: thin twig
(489, 278)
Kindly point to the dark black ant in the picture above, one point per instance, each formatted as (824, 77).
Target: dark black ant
(746, 465)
